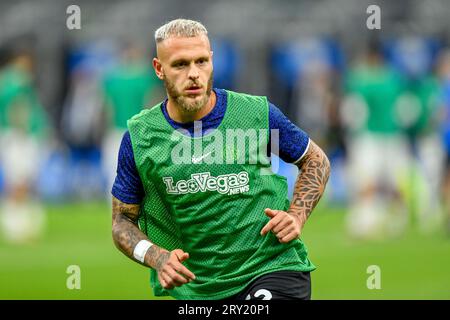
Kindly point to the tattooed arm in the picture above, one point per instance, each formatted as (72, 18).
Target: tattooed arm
(314, 173)
(310, 185)
(126, 235)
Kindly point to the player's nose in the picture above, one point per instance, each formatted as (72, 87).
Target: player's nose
(193, 72)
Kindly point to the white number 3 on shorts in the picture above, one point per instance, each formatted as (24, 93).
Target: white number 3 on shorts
(265, 294)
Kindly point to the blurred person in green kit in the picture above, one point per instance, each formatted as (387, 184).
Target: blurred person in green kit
(378, 148)
(23, 135)
(128, 88)
(417, 110)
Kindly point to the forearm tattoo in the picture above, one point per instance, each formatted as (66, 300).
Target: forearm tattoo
(310, 185)
(126, 234)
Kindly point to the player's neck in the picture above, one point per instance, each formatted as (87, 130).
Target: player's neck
(177, 114)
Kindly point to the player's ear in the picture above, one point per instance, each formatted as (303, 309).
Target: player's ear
(158, 68)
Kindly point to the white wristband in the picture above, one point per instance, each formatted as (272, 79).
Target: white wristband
(141, 249)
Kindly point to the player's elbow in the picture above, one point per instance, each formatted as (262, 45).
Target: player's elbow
(317, 161)
(116, 233)
(326, 164)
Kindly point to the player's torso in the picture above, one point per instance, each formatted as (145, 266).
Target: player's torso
(215, 188)
(210, 183)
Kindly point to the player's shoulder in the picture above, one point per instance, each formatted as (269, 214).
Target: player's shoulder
(247, 97)
(243, 94)
(146, 113)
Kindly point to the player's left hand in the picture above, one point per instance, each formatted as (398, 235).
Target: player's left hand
(285, 226)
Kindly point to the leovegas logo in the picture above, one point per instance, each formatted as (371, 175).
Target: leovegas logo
(230, 184)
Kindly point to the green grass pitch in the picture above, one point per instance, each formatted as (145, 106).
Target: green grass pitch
(415, 266)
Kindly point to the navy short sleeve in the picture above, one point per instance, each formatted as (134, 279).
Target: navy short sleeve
(127, 186)
(293, 141)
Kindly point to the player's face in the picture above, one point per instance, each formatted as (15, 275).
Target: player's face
(185, 65)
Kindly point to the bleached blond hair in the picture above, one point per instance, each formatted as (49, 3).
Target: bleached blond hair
(179, 28)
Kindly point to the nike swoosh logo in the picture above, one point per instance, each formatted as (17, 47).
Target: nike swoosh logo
(197, 160)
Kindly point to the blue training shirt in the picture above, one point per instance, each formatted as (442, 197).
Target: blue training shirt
(128, 188)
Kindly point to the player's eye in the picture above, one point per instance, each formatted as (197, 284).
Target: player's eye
(180, 64)
(202, 61)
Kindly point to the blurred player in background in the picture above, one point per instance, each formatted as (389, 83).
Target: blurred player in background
(128, 88)
(219, 230)
(416, 113)
(378, 149)
(23, 129)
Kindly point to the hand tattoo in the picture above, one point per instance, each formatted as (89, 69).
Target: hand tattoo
(157, 257)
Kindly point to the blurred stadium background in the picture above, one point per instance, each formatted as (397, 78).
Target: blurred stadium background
(377, 101)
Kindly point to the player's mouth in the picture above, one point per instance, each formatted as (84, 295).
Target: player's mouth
(193, 90)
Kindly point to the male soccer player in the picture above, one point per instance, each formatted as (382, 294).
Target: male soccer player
(213, 224)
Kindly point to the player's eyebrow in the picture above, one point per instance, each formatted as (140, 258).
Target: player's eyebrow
(205, 58)
(182, 60)
(178, 61)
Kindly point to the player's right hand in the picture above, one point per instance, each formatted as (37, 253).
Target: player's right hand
(171, 272)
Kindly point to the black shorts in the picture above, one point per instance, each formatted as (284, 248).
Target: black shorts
(278, 285)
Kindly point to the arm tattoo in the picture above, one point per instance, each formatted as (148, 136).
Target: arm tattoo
(126, 234)
(311, 182)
